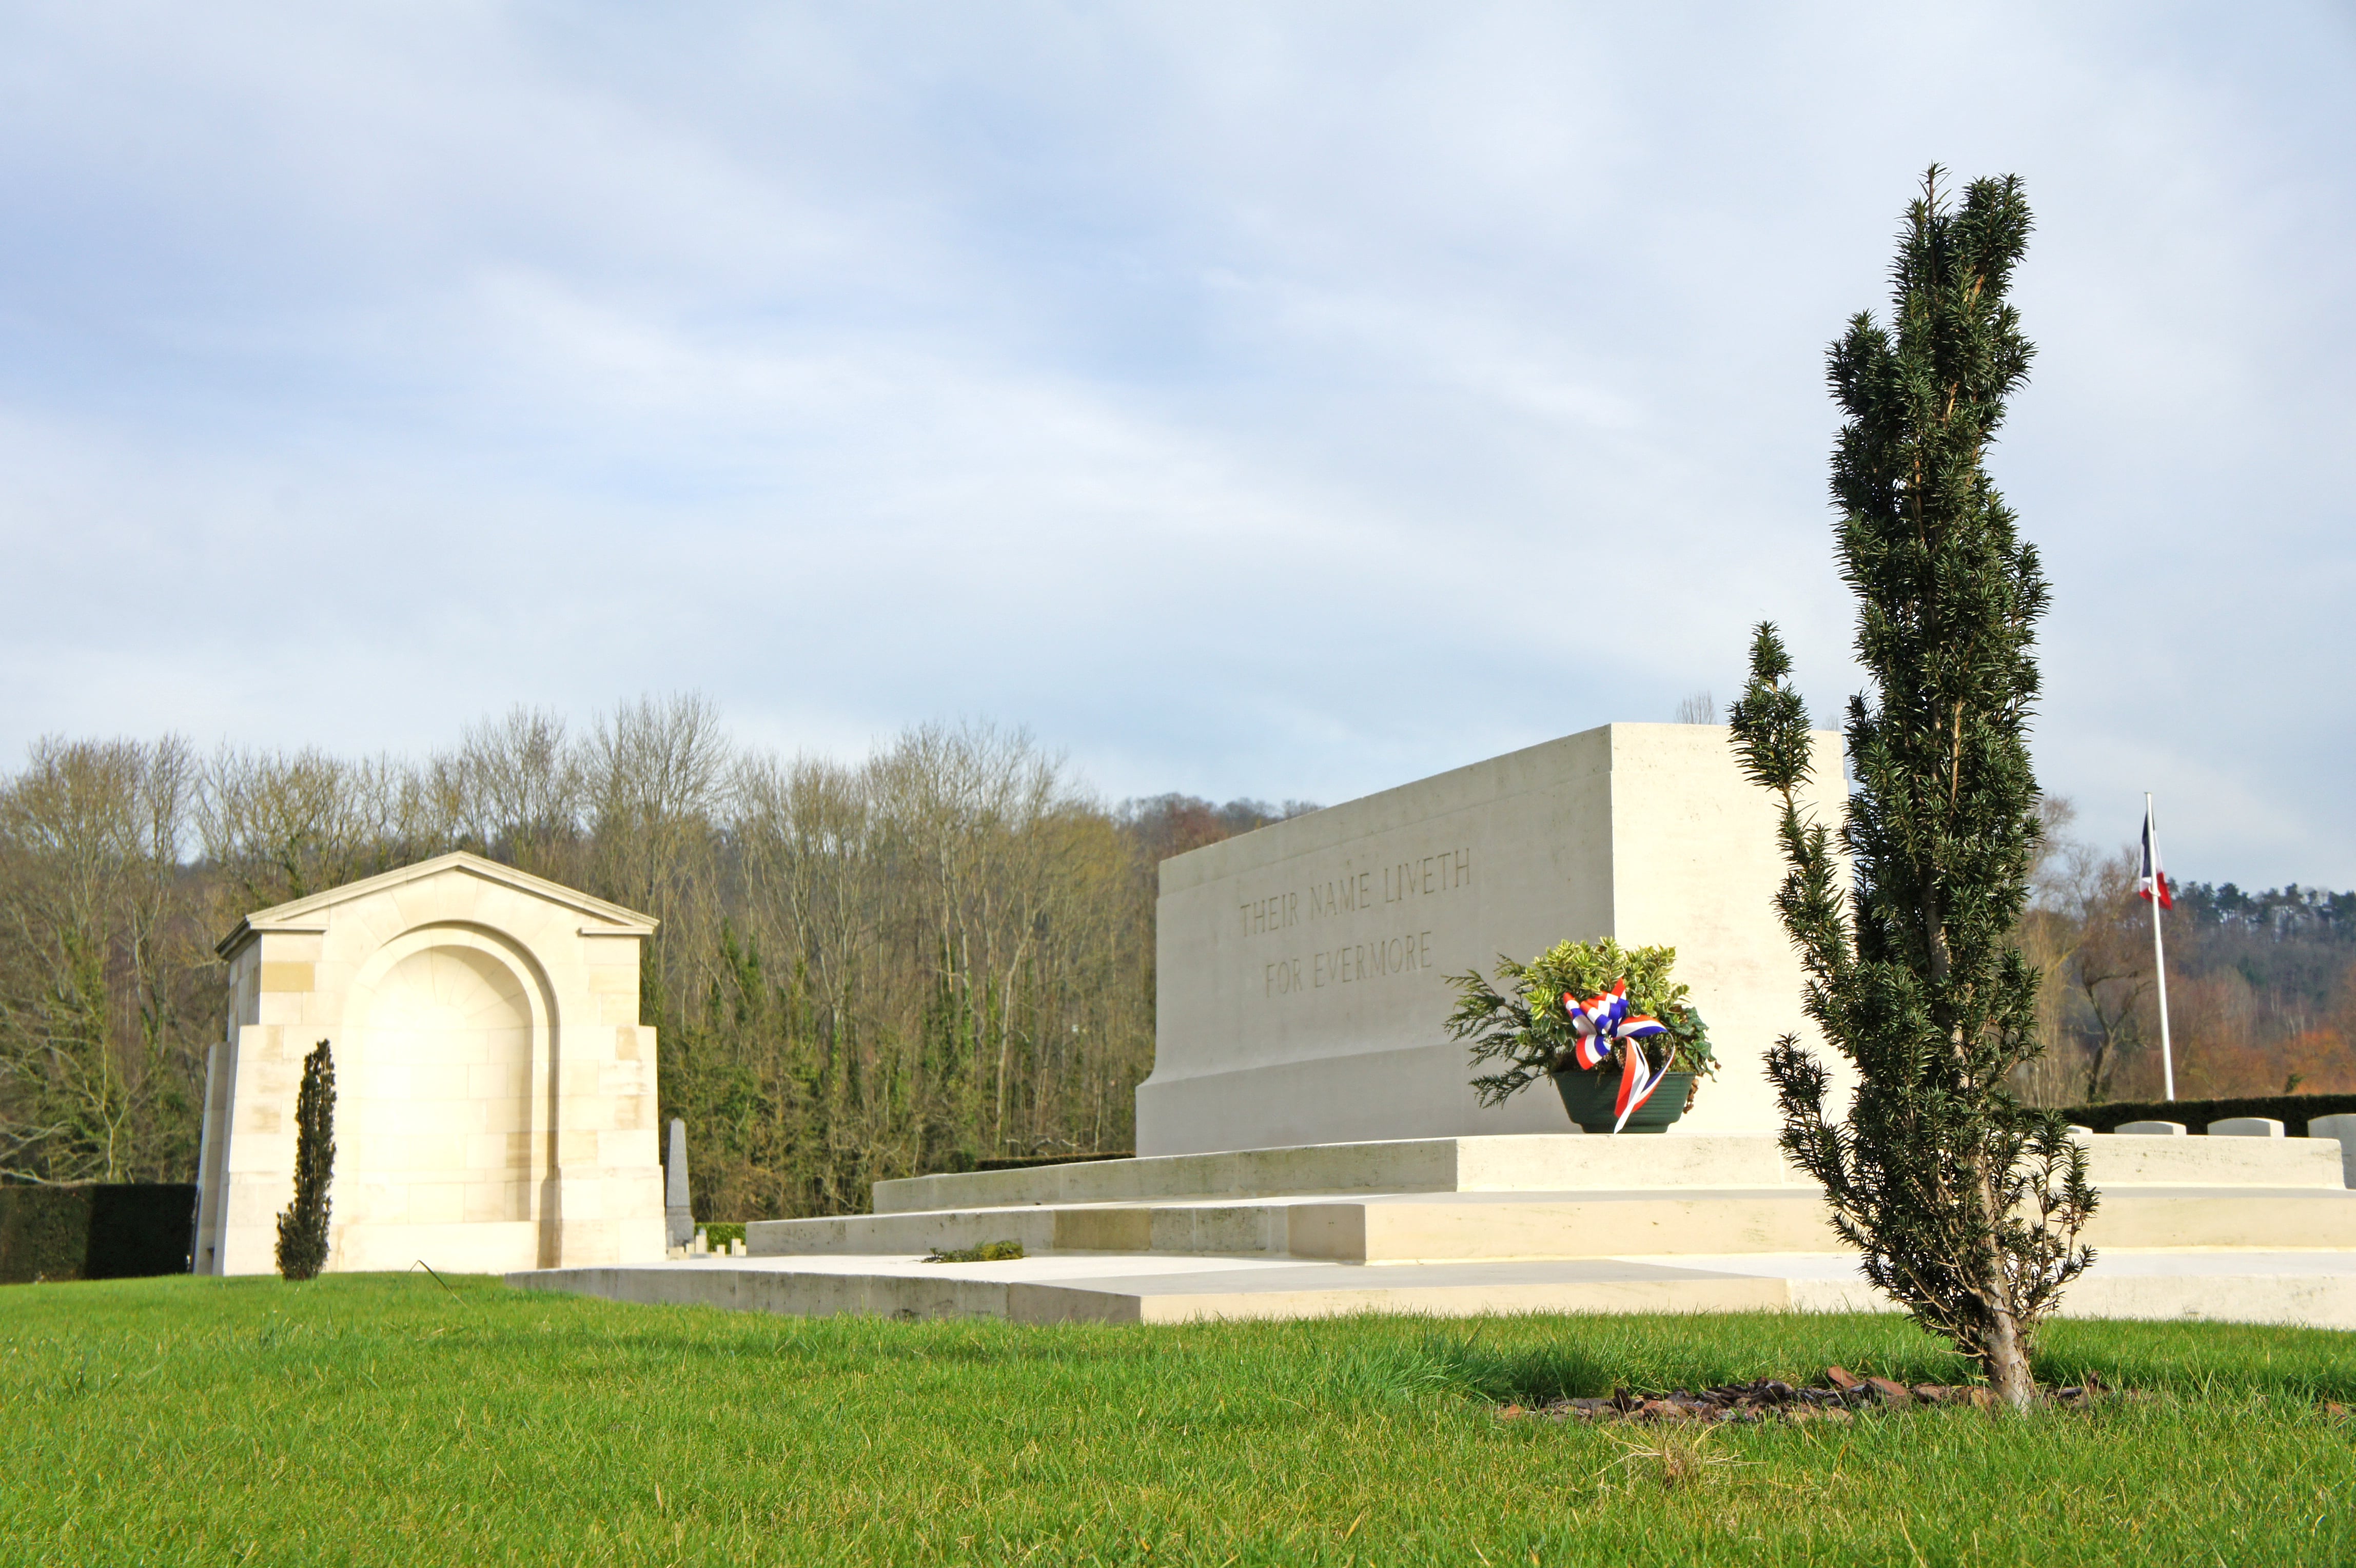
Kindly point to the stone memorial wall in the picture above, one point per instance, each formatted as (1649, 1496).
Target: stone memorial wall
(1301, 967)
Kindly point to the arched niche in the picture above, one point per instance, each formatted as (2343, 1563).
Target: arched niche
(447, 1061)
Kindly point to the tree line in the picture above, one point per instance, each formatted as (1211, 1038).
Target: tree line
(941, 954)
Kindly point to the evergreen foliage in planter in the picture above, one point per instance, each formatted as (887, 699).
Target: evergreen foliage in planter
(1527, 1029)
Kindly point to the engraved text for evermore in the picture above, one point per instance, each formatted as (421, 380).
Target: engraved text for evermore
(1351, 965)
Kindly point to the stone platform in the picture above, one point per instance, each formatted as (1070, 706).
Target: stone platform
(2246, 1230)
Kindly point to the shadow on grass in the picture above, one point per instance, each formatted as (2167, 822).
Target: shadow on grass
(1531, 1361)
(2201, 1360)
(1372, 1359)
(1528, 1358)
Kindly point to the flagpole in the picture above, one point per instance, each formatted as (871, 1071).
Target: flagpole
(2159, 950)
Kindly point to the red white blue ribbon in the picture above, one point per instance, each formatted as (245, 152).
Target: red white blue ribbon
(1602, 1023)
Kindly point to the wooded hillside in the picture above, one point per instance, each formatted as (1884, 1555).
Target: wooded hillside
(2261, 987)
(942, 954)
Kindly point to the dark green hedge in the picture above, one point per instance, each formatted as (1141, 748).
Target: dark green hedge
(95, 1231)
(2293, 1111)
(44, 1233)
(962, 1162)
(1032, 1162)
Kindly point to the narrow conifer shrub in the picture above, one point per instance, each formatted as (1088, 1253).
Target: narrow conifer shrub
(1965, 1205)
(303, 1228)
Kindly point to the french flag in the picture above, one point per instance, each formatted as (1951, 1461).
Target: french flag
(2153, 882)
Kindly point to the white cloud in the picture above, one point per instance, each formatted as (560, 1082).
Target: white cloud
(1244, 399)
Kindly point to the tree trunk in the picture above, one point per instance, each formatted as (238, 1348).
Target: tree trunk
(2004, 1350)
(2006, 1362)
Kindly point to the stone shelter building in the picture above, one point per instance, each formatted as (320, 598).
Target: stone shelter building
(495, 1103)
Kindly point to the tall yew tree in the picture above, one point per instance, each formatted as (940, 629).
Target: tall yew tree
(302, 1224)
(1966, 1206)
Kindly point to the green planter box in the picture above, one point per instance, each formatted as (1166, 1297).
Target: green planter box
(1591, 1098)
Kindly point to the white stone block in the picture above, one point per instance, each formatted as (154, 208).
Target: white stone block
(2153, 1129)
(496, 1201)
(1301, 969)
(2344, 1128)
(2246, 1127)
(437, 1203)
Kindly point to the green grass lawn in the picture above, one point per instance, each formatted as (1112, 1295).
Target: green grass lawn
(386, 1419)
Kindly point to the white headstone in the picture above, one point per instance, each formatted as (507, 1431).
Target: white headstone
(2344, 1129)
(1301, 967)
(2246, 1127)
(2153, 1129)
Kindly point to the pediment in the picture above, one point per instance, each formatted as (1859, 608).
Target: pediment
(310, 914)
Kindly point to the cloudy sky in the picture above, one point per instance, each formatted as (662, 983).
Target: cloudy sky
(1246, 398)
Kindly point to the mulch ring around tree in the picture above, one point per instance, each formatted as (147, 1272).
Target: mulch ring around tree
(1842, 1397)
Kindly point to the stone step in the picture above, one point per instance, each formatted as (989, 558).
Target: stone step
(1100, 1228)
(1434, 1226)
(2315, 1289)
(1537, 1162)
(1540, 1163)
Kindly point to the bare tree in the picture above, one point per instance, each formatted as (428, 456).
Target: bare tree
(94, 984)
(656, 769)
(284, 825)
(2110, 965)
(525, 788)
